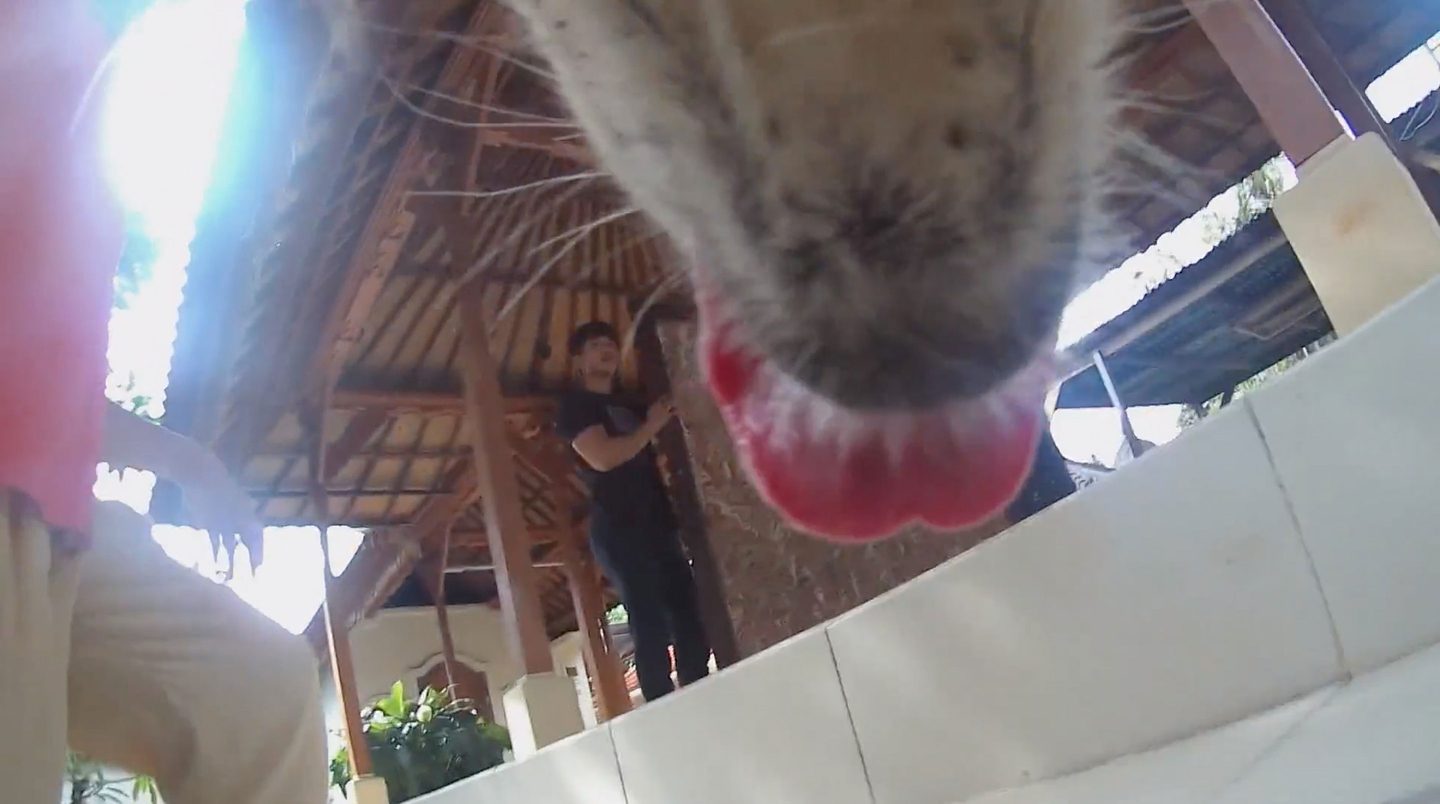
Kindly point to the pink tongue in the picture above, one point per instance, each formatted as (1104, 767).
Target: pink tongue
(867, 490)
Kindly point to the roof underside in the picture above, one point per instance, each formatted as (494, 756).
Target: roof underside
(1244, 325)
(313, 261)
(1243, 308)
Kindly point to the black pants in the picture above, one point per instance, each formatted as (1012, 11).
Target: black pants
(652, 576)
(1049, 481)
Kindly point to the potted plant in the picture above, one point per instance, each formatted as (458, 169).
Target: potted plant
(89, 784)
(423, 744)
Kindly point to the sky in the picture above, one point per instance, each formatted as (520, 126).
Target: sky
(164, 108)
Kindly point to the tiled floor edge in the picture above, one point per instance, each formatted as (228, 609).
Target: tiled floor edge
(849, 715)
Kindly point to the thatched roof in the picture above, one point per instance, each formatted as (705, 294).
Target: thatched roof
(314, 261)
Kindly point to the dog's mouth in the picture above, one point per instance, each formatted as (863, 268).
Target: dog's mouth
(862, 476)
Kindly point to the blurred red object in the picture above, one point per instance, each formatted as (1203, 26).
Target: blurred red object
(61, 234)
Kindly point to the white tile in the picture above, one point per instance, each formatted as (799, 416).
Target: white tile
(1172, 598)
(1192, 771)
(771, 730)
(1376, 742)
(580, 770)
(1355, 435)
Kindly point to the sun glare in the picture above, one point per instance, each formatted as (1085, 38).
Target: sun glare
(165, 105)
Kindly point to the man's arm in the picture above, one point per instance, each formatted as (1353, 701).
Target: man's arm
(132, 442)
(605, 452)
(211, 495)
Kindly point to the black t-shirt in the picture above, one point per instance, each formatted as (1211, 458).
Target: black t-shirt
(632, 495)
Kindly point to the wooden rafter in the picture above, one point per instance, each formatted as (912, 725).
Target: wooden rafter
(1291, 104)
(431, 402)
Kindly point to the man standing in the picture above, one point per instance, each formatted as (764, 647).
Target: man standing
(634, 532)
(1049, 482)
(106, 645)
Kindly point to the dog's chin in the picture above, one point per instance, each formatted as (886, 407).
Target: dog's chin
(858, 476)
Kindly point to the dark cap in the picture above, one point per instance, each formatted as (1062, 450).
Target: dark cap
(590, 331)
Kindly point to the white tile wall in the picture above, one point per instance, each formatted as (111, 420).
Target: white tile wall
(772, 730)
(1174, 597)
(1355, 434)
(1177, 597)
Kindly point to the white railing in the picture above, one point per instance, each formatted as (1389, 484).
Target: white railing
(1190, 626)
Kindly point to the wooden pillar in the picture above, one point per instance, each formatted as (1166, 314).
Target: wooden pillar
(585, 593)
(686, 496)
(1298, 28)
(1289, 101)
(509, 537)
(434, 579)
(342, 671)
(337, 635)
(1049, 481)
(1296, 23)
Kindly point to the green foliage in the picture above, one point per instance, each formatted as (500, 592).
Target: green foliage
(422, 744)
(1254, 196)
(617, 615)
(122, 388)
(1191, 415)
(137, 263)
(89, 784)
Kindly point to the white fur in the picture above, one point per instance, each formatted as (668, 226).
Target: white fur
(796, 112)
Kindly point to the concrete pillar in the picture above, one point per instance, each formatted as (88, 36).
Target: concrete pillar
(367, 790)
(540, 709)
(1361, 228)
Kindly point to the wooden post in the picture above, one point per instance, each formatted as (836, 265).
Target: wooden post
(1298, 28)
(342, 663)
(499, 489)
(435, 584)
(585, 593)
(1289, 101)
(342, 670)
(686, 496)
(1296, 23)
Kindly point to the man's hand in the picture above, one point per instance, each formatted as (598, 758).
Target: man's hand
(660, 414)
(217, 502)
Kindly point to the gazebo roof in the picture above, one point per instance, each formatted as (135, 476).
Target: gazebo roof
(314, 261)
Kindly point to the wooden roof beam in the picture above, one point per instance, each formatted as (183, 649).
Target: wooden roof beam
(431, 402)
(1292, 106)
(363, 426)
(538, 140)
(385, 233)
